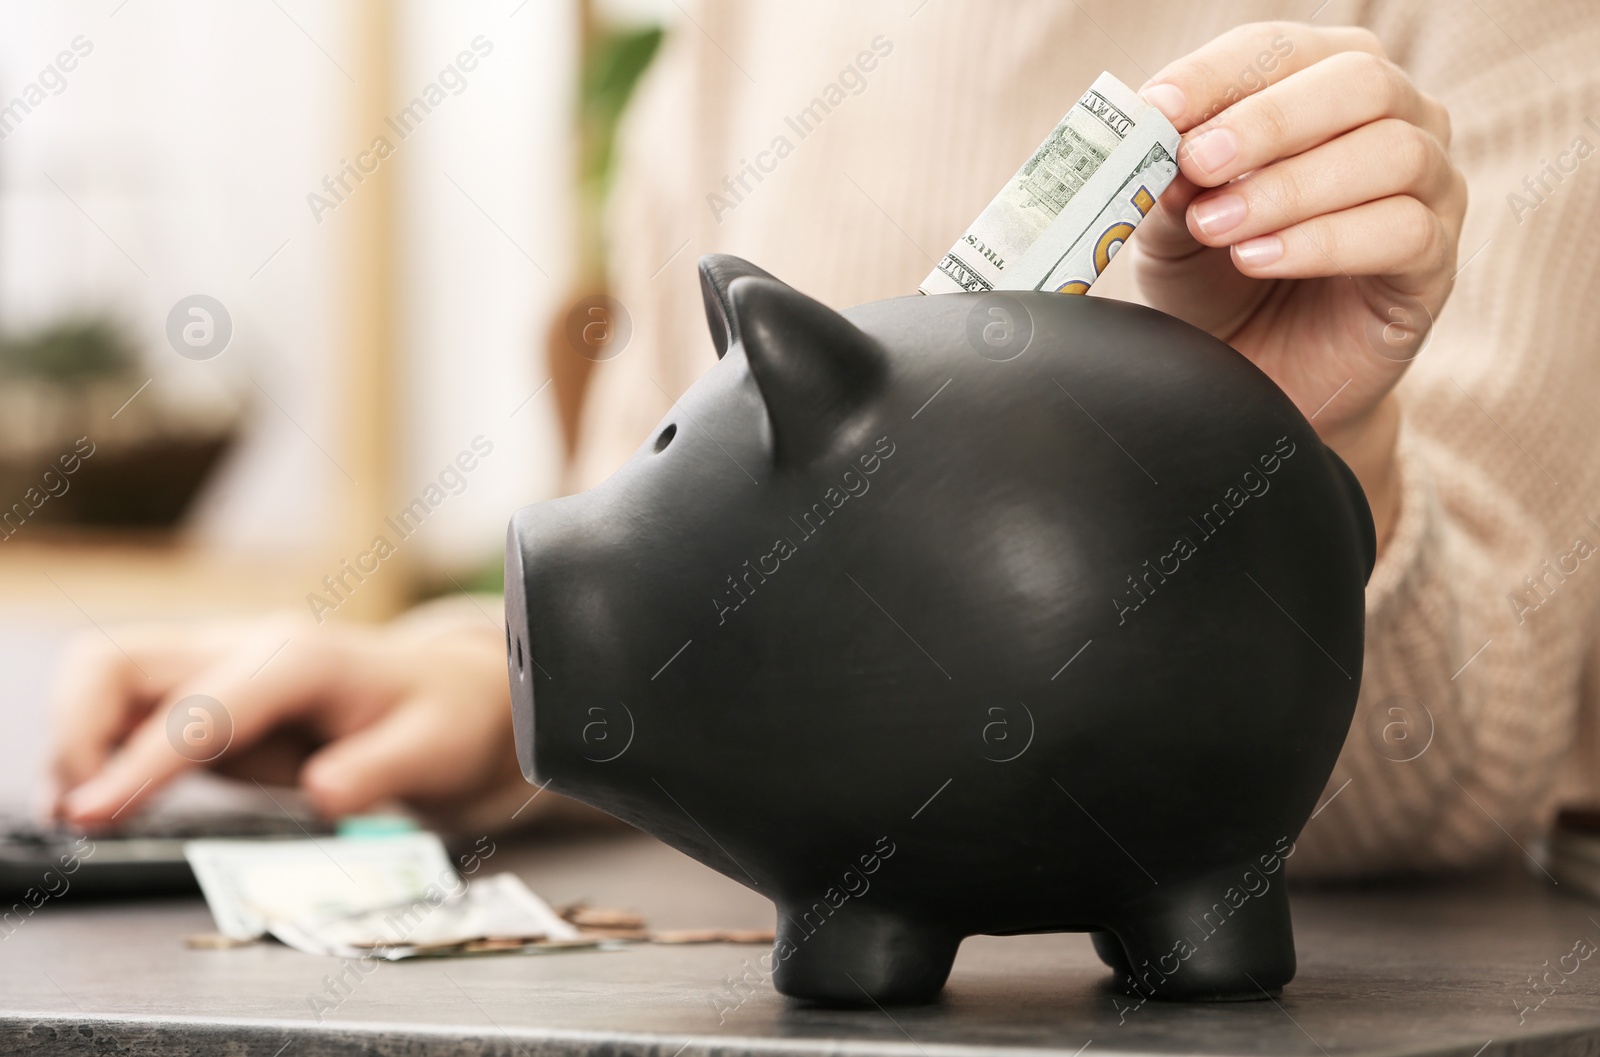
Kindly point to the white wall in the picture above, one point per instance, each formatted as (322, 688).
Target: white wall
(485, 200)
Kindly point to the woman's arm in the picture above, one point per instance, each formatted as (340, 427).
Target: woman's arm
(1482, 462)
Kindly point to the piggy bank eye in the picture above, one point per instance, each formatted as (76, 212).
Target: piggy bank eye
(666, 436)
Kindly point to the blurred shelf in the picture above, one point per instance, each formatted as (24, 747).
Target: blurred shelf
(119, 579)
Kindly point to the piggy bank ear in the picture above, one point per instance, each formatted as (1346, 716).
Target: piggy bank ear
(816, 370)
(717, 273)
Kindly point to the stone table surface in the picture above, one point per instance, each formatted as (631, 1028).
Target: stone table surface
(1419, 968)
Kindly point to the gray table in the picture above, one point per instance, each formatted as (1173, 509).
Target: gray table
(1415, 969)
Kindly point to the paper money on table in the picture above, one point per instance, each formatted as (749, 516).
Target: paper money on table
(250, 884)
(491, 915)
(390, 897)
(1057, 223)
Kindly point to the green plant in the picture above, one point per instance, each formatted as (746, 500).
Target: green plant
(614, 60)
(70, 350)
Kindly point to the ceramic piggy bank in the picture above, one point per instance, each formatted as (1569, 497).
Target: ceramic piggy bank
(955, 615)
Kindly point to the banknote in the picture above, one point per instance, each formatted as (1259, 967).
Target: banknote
(250, 884)
(1058, 222)
(387, 897)
(396, 897)
(489, 915)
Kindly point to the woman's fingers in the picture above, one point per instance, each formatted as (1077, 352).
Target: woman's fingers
(421, 749)
(447, 735)
(1326, 159)
(143, 764)
(419, 710)
(1311, 107)
(1243, 61)
(229, 704)
(1397, 237)
(1261, 95)
(96, 697)
(1379, 160)
(104, 687)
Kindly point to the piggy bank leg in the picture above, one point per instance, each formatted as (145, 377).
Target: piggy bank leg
(1109, 948)
(859, 956)
(1208, 941)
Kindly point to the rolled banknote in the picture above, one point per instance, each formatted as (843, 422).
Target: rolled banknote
(1057, 223)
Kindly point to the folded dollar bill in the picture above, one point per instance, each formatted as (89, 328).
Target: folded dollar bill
(1057, 223)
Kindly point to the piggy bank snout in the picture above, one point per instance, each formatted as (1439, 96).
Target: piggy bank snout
(520, 646)
(568, 614)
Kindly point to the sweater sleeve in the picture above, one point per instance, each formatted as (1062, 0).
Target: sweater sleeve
(1481, 612)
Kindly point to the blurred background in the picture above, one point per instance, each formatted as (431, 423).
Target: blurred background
(266, 271)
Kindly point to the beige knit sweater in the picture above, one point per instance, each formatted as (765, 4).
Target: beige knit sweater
(1494, 672)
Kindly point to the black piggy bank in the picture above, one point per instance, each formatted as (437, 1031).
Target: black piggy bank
(956, 615)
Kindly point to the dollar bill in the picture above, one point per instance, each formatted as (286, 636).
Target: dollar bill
(380, 897)
(490, 915)
(1058, 222)
(251, 884)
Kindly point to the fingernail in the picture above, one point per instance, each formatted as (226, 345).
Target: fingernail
(315, 776)
(1213, 216)
(329, 789)
(1213, 149)
(1167, 98)
(1258, 251)
(91, 800)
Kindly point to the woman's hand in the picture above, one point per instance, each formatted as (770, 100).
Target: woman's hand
(419, 710)
(1313, 224)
